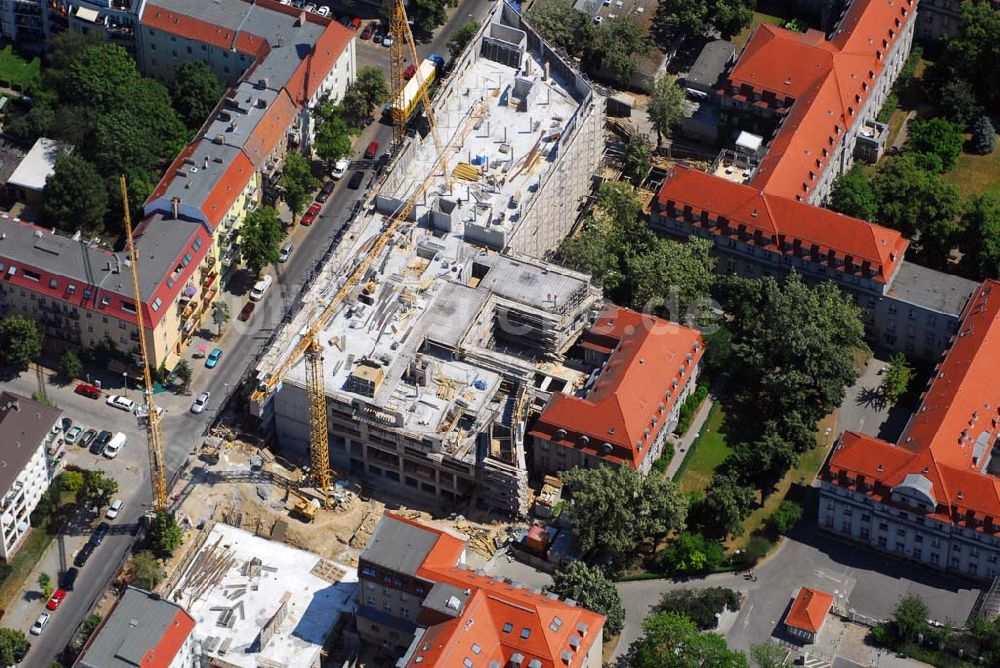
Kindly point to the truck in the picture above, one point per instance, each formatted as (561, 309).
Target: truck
(402, 108)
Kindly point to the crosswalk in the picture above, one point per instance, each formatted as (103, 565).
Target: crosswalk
(817, 662)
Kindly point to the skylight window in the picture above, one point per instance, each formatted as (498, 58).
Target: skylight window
(508, 627)
(525, 633)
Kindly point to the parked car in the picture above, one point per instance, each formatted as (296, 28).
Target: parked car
(22, 652)
(371, 151)
(355, 24)
(87, 438)
(325, 191)
(83, 555)
(286, 252)
(260, 289)
(247, 311)
(115, 445)
(387, 41)
(39, 625)
(379, 36)
(339, 169)
(213, 357)
(368, 31)
(114, 509)
(121, 403)
(68, 579)
(199, 404)
(88, 390)
(99, 533)
(66, 423)
(309, 217)
(437, 60)
(101, 442)
(73, 434)
(57, 597)
(356, 179)
(323, 11)
(410, 70)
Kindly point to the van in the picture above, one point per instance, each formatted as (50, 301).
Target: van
(285, 252)
(260, 288)
(115, 445)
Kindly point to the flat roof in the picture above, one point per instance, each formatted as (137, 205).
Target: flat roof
(272, 605)
(39, 163)
(931, 289)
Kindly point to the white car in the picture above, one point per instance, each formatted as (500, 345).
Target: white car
(114, 509)
(387, 40)
(260, 288)
(340, 168)
(286, 252)
(311, 7)
(199, 404)
(36, 628)
(323, 11)
(121, 403)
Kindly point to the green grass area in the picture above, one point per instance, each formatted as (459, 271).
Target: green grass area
(976, 174)
(16, 72)
(705, 454)
(23, 562)
(758, 17)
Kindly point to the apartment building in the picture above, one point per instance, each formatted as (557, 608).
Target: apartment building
(942, 19)
(27, 434)
(142, 629)
(643, 370)
(419, 602)
(932, 497)
(31, 22)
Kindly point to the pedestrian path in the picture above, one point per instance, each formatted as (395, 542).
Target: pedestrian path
(683, 444)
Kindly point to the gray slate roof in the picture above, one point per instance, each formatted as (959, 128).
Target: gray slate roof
(710, 64)
(931, 289)
(24, 424)
(398, 546)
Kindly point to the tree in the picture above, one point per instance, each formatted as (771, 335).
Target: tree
(72, 480)
(194, 92)
(910, 618)
(980, 242)
(852, 195)
(561, 25)
(220, 315)
(333, 135)
(146, 571)
(20, 341)
(12, 644)
(367, 91)
(98, 489)
(936, 136)
(768, 655)
(984, 136)
(666, 106)
(298, 183)
(956, 100)
(636, 163)
(75, 197)
(461, 37)
(727, 503)
(897, 377)
(974, 54)
(671, 640)
(590, 588)
(260, 238)
(165, 534)
(691, 554)
(426, 15)
(784, 518)
(701, 606)
(182, 372)
(614, 51)
(70, 366)
(731, 16)
(686, 17)
(45, 584)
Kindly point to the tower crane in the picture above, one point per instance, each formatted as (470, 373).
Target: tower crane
(154, 438)
(402, 45)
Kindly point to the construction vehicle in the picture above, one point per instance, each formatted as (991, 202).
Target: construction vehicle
(305, 507)
(402, 46)
(403, 105)
(154, 438)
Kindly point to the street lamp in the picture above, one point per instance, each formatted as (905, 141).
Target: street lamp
(125, 379)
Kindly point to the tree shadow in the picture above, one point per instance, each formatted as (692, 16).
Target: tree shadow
(871, 397)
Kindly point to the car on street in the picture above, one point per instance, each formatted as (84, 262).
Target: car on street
(247, 311)
(356, 179)
(36, 628)
(309, 217)
(88, 390)
(87, 438)
(339, 169)
(115, 445)
(101, 442)
(68, 579)
(83, 555)
(114, 509)
(73, 434)
(260, 288)
(22, 652)
(379, 36)
(286, 252)
(368, 31)
(199, 404)
(57, 597)
(213, 358)
(371, 151)
(387, 41)
(325, 191)
(99, 533)
(121, 403)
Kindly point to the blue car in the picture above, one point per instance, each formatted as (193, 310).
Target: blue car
(213, 358)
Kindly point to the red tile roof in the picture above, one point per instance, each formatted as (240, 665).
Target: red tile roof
(271, 129)
(162, 656)
(781, 220)
(961, 407)
(233, 181)
(809, 610)
(195, 29)
(306, 80)
(650, 361)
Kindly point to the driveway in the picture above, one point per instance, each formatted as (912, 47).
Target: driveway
(864, 411)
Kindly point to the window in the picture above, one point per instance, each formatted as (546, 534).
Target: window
(508, 627)
(187, 259)
(32, 275)
(197, 243)
(881, 541)
(525, 633)
(476, 649)
(368, 570)
(53, 283)
(156, 304)
(882, 526)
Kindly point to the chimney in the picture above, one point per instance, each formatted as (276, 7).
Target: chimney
(176, 202)
(302, 18)
(205, 166)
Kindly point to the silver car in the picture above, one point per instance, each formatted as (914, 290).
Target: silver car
(36, 628)
(199, 404)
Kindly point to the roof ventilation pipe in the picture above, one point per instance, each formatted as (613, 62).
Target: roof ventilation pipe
(176, 204)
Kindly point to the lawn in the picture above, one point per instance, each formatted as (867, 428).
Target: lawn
(758, 17)
(23, 562)
(15, 71)
(705, 454)
(976, 174)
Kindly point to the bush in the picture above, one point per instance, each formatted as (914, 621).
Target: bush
(701, 606)
(889, 106)
(70, 366)
(661, 464)
(689, 407)
(691, 554)
(910, 66)
(146, 571)
(784, 518)
(756, 549)
(984, 136)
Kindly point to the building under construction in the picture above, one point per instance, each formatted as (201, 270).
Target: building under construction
(456, 330)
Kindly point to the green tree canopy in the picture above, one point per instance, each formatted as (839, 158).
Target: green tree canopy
(260, 238)
(20, 341)
(636, 160)
(731, 16)
(75, 197)
(182, 372)
(12, 643)
(298, 182)
(671, 640)
(910, 618)
(461, 37)
(852, 195)
(701, 606)
(367, 91)
(165, 534)
(980, 242)
(616, 48)
(768, 655)
(974, 54)
(936, 136)
(691, 554)
(220, 315)
(70, 366)
(726, 504)
(897, 377)
(666, 106)
(590, 588)
(427, 15)
(98, 489)
(784, 518)
(146, 571)
(194, 92)
(333, 134)
(563, 26)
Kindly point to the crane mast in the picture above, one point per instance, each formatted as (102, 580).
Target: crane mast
(154, 438)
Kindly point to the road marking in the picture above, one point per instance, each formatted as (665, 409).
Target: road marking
(823, 574)
(746, 620)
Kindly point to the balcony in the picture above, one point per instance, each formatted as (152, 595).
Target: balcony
(209, 279)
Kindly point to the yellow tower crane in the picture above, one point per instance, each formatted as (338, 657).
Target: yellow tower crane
(402, 45)
(154, 439)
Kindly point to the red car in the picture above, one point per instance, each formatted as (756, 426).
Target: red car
(410, 71)
(247, 311)
(371, 151)
(368, 31)
(310, 215)
(88, 390)
(56, 599)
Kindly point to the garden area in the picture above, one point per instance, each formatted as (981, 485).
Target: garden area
(705, 455)
(17, 73)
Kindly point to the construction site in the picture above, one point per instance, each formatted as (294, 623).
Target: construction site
(441, 327)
